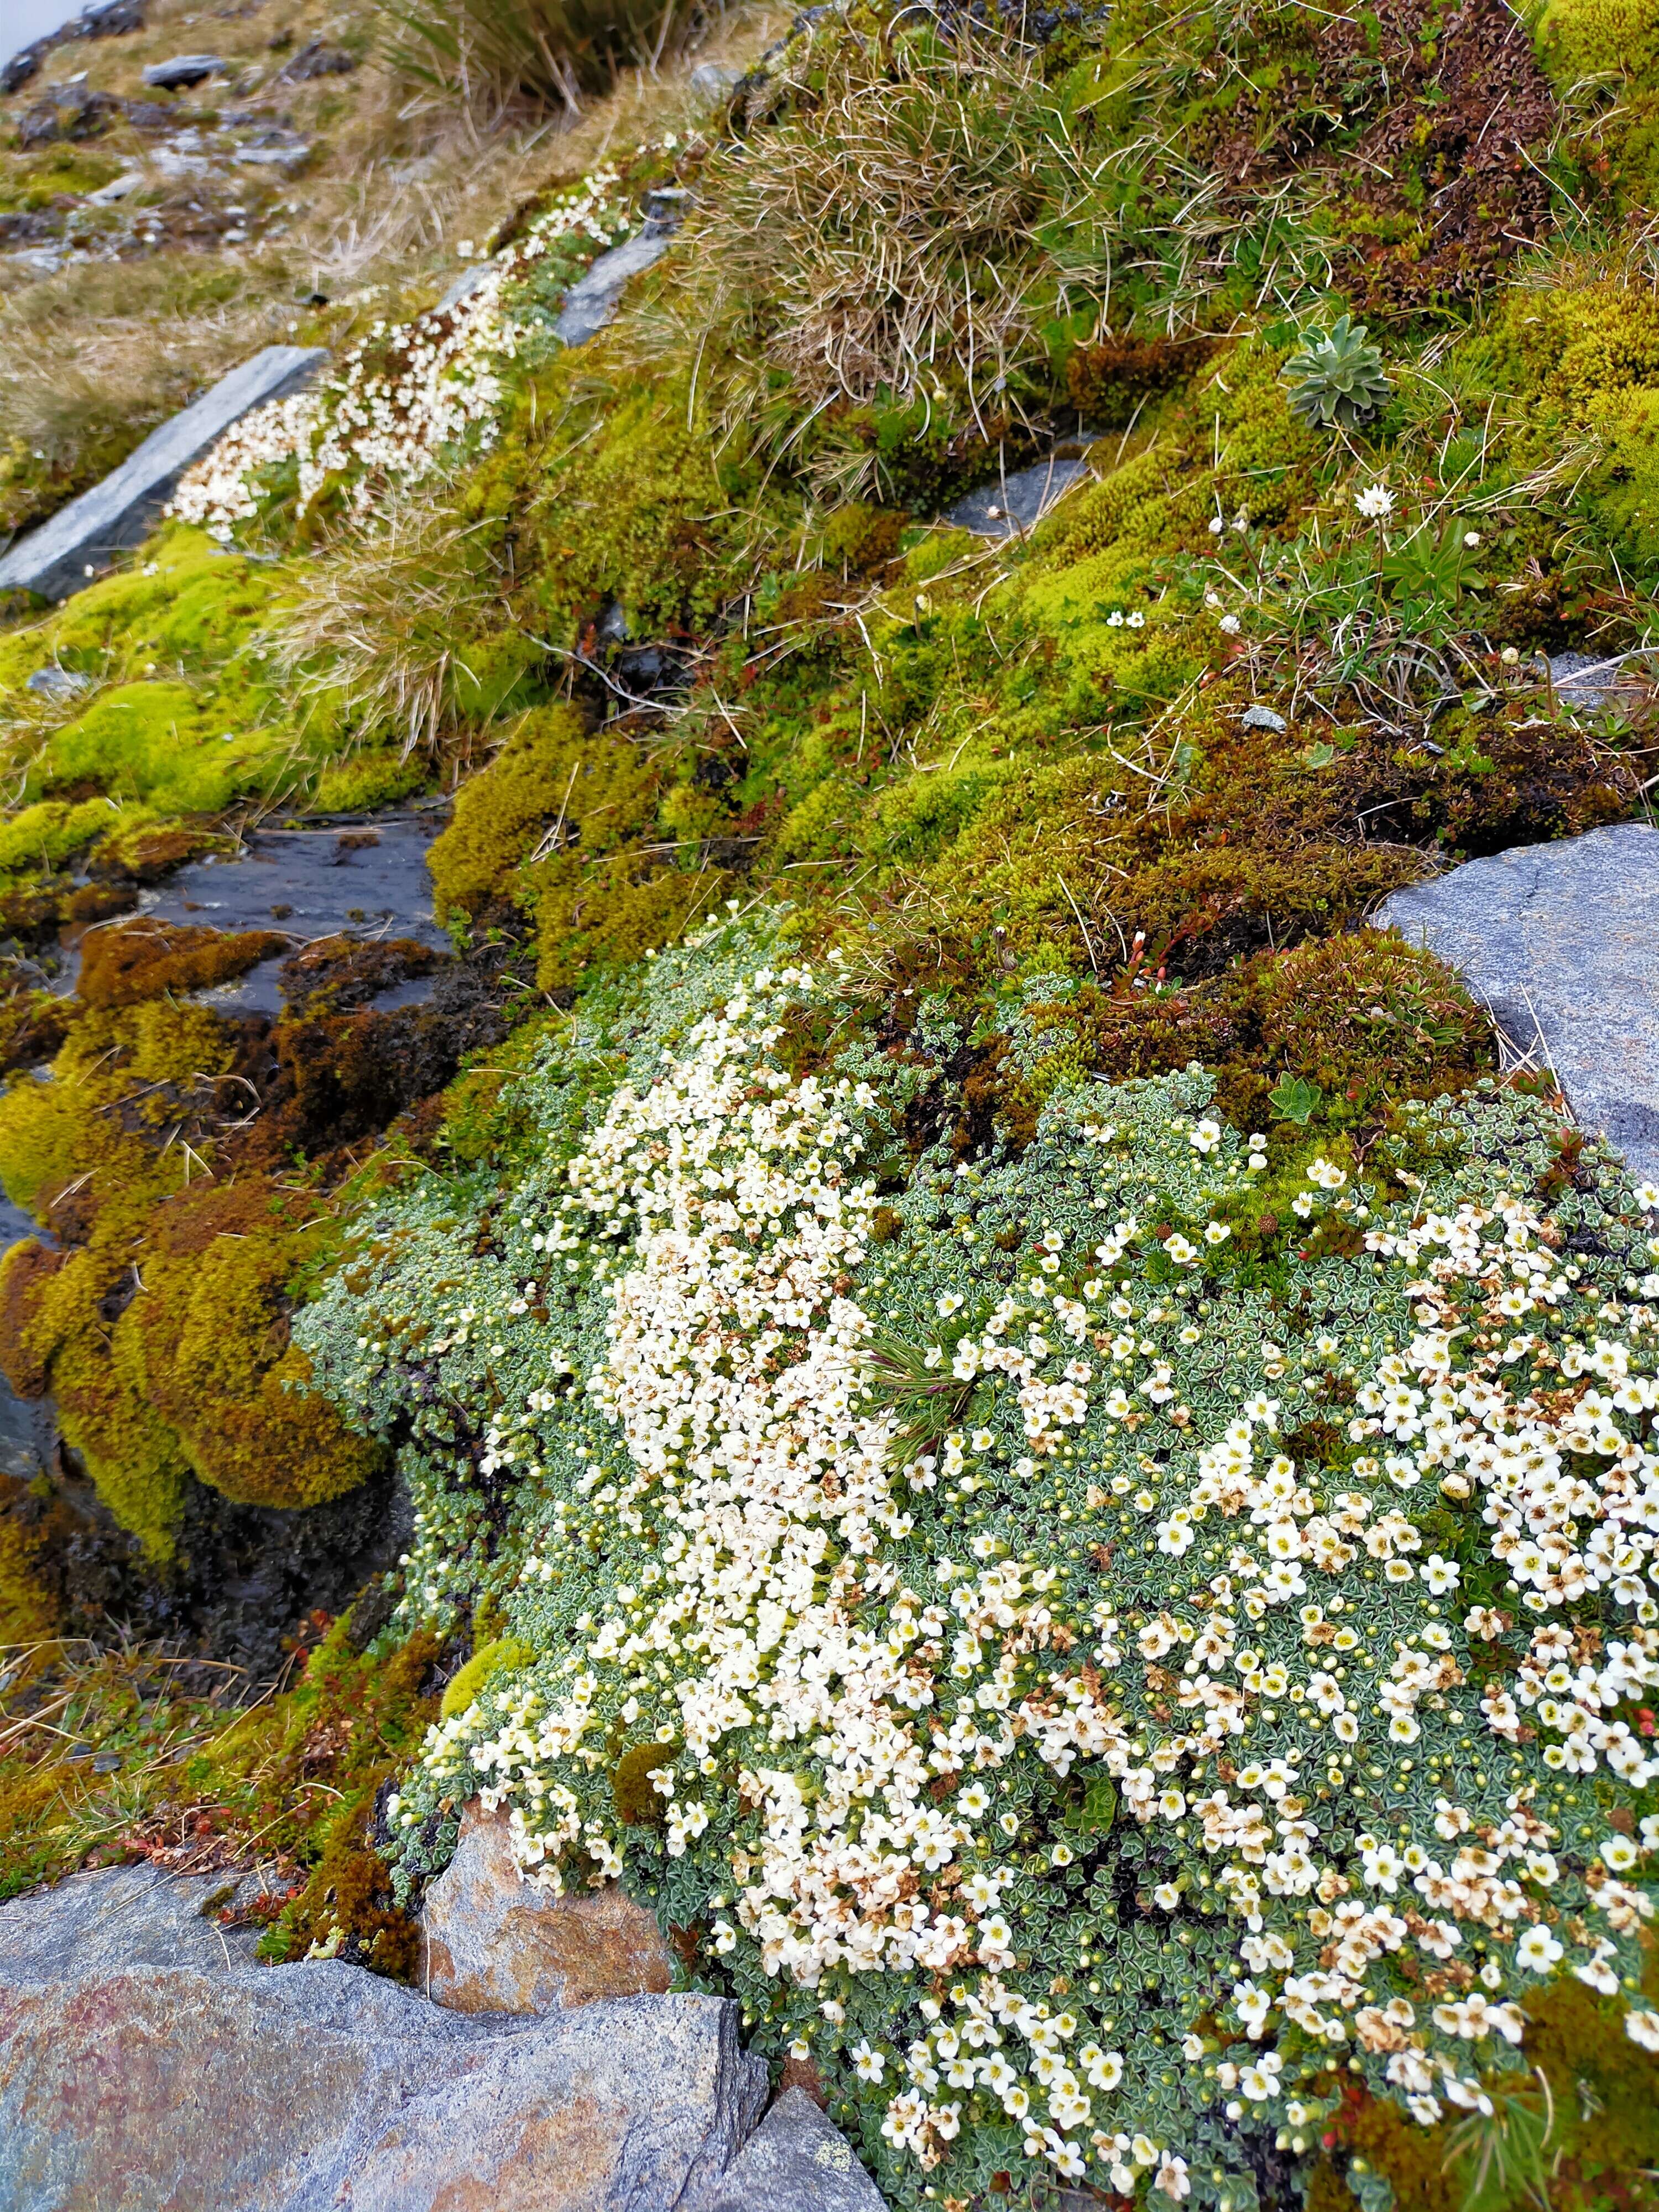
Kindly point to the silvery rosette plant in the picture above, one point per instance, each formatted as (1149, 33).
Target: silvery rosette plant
(1095, 1678)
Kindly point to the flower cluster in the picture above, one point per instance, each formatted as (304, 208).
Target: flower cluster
(409, 394)
(1093, 1692)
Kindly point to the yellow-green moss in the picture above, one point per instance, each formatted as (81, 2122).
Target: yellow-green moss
(495, 1657)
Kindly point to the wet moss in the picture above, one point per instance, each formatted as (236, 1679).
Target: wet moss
(151, 960)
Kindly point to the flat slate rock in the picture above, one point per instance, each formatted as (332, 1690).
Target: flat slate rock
(795, 2161)
(182, 70)
(118, 512)
(302, 2088)
(1561, 942)
(592, 299)
(117, 1918)
(1016, 504)
(493, 1942)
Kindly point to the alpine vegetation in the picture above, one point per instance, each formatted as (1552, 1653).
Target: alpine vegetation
(1105, 1645)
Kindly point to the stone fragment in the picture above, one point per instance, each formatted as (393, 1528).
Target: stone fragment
(1263, 718)
(54, 683)
(795, 2161)
(182, 70)
(1015, 504)
(495, 1942)
(115, 514)
(1559, 941)
(314, 59)
(592, 299)
(1587, 681)
(715, 81)
(306, 2087)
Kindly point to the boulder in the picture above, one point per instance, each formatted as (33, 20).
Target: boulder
(182, 70)
(1016, 504)
(302, 2088)
(1559, 941)
(795, 2161)
(55, 558)
(100, 1924)
(495, 1942)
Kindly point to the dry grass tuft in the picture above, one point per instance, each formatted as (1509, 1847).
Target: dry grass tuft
(899, 237)
(490, 53)
(387, 632)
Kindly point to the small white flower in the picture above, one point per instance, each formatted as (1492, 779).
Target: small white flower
(1376, 502)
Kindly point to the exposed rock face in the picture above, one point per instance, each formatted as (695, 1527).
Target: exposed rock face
(795, 2161)
(182, 70)
(304, 2088)
(55, 559)
(120, 1917)
(594, 299)
(1559, 941)
(496, 1943)
(1017, 503)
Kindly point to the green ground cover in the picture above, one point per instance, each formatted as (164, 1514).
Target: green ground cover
(1355, 322)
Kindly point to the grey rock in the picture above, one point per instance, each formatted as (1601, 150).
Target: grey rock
(715, 82)
(100, 1924)
(302, 2088)
(795, 2161)
(1587, 681)
(1263, 718)
(314, 59)
(1559, 942)
(117, 514)
(55, 682)
(592, 299)
(463, 286)
(1015, 504)
(182, 70)
(119, 188)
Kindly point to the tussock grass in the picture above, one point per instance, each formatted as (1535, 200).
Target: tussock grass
(896, 240)
(381, 634)
(490, 53)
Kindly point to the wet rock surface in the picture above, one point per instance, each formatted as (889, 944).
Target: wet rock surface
(362, 879)
(1559, 941)
(1015, 503)
(124, 2080)
(594, 299)
(495, 1942)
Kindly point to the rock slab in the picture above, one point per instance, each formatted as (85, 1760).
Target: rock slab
(795, 2161)
(117, 514)
(594, 299)
(495, 1942)
(130, 2087)
(1561, 942)
(1016, 504)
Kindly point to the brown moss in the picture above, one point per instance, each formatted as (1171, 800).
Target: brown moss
(24, 1272)
(638, 1804)
(1110, 382)
(151, 959)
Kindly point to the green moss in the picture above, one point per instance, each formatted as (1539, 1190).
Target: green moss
(50, 832)
(502, 813)
(160, 742)
(498, 1656)
(380, 776)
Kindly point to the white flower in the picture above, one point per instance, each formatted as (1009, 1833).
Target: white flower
(1376, 502)
(1643, 2027)
(1537, 1950)
(1229, 624)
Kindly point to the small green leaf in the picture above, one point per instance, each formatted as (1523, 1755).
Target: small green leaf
(1319, 756)
(1295, 1100)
